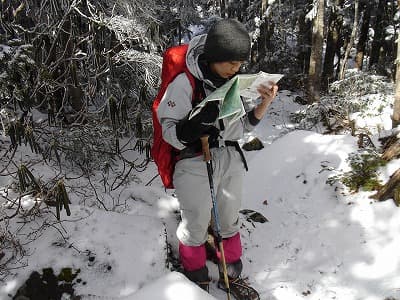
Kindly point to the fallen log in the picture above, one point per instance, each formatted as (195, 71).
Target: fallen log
(390, 190)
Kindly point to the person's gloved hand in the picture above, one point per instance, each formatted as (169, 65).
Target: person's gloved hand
(189, 131)
(208, 114)
(213, 134)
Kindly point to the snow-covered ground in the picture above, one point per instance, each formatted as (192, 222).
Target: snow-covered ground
(319, 242)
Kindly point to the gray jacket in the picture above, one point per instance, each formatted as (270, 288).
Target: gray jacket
(177, 101)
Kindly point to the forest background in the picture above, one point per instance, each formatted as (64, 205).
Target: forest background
(77, 80)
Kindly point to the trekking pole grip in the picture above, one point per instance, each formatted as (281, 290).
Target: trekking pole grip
(205, 148)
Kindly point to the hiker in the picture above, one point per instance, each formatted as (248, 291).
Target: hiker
(212, 59)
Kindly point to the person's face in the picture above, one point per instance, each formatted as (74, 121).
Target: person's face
(226, 69)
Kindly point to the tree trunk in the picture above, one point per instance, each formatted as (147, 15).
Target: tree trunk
(314, 71)
(179, 32)
(335, 24)
(223, 8)
(396, 106)
(351, 42)
(263, 7)
(378, 34)
(263, 42)
(265, 31)
(363, 38)
(241, 10)
(304, 42)
(232, 8)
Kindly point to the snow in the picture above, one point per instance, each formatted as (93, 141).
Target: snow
(4, 49)
(173, 286)
(320, 242)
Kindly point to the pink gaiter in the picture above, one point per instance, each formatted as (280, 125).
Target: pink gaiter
(232, 248)
(192, 257)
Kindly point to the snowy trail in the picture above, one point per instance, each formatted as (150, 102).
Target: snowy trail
(318, 243)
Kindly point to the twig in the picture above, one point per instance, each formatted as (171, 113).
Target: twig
(151, 180)
(95, 191)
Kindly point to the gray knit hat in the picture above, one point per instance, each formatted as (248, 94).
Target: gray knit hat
(227, 40)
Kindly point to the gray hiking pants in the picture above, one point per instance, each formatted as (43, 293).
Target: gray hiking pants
(193, 192)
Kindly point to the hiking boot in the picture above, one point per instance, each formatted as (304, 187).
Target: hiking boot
(239, 289)
(199, 276)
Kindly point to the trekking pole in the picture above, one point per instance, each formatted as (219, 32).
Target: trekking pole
(207, 158)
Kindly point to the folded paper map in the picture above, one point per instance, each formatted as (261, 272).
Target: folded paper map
(242, 85)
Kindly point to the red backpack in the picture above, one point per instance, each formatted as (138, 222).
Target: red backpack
(174, 63)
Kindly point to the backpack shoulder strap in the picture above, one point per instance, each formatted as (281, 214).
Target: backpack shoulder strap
(199, 94)
(197, 87)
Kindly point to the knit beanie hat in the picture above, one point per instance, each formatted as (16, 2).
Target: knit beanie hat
(227, 40)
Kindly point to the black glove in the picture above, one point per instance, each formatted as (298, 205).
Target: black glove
(213, 134)
(189, 131)
(208, 114)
